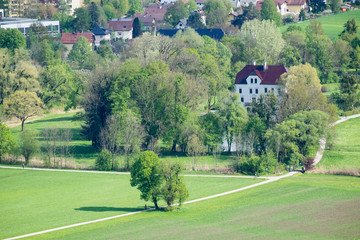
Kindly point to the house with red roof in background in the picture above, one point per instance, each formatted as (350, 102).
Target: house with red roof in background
(254, 80)
(122, 28)
(69, 39)
(285, 7)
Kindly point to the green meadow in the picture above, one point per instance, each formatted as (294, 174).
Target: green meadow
(333, 25)
(300, 207)
(32, 200)
(346, 151)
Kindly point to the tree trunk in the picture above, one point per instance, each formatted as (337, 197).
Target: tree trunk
(155, 203)
(22, 124)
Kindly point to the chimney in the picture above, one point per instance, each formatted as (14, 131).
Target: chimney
(265, 66)
(254, 62)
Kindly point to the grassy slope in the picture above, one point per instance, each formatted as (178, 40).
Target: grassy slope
(32, 201)
(300, 207)
(82, 150)
(346, 151)
(333, 25)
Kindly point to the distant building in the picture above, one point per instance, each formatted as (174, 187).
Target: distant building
(122, 28)
(214, 33)
(100, 34)
(254, 80)
(149, 22)
(157, 11)
(23, 24)
(69, 39)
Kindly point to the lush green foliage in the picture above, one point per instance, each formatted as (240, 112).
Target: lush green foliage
(104, 160)
(269, 12)
(11, 39)
(29, 145)
(6, 140)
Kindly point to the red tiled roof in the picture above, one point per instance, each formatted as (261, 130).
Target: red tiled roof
(157, 11)
(269, 76)
(259, 4)
(296, 2)
(146, 19)
(125, 25)
(71, 38)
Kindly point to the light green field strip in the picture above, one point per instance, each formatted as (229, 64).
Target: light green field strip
(32, 201)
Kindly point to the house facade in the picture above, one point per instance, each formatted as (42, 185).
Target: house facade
(100, 34)
(69, 39)
(254, 80)
(122, 28)
(23, 25)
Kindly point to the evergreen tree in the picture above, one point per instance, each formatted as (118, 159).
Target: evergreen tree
(136, 28)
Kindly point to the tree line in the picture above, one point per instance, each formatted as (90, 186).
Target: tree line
(178, 91)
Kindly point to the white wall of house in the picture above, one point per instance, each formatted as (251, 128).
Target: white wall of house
(125, 35)
(99, 38)
(253, 89)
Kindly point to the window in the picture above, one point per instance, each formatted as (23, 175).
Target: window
(265, 90)
(252, 80)
(242, 99)
(240, 91)
(255, 80)
(254, 99)
(250, 91)
(256, 91)
(272, 89)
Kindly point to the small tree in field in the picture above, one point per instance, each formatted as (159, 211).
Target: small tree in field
(145, 175)
(174, 186)
(23, 105)
(6, 140)
(28, 145)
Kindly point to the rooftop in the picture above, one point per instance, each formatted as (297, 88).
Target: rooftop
(270, 75)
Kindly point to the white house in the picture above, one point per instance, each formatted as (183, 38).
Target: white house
(254, 80)
(122, 28)
(23, 24)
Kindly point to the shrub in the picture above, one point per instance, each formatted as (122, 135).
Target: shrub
(250, 166)
(308, 163)
(104, 160)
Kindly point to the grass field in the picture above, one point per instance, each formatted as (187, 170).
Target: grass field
(299, 207)
(33, 200)
(346, 151)
(333, 25)
(84, 155)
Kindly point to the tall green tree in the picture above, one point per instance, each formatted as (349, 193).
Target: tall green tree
(233, 117)
(135, 6)
(174, 185)
(176, 12)
(269, 12)
(146, 176)
(23, 105)
(335, 6)
(136, 28)
(82, 54)
(349, 84)
(12, 39)
(195, 21)
(82, 20)
(250, 12)
(216, 12)
(29, 145)
(317, 6)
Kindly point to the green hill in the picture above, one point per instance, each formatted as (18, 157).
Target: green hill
(333, 25)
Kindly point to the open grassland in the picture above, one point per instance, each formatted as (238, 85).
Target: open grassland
(32, 201)
(346, 151)
(333, 25)
(83, 154)
(299, 207)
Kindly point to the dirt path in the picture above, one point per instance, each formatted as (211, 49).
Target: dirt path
(319, 154)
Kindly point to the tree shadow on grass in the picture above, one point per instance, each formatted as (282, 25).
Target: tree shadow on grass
(107, 209)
